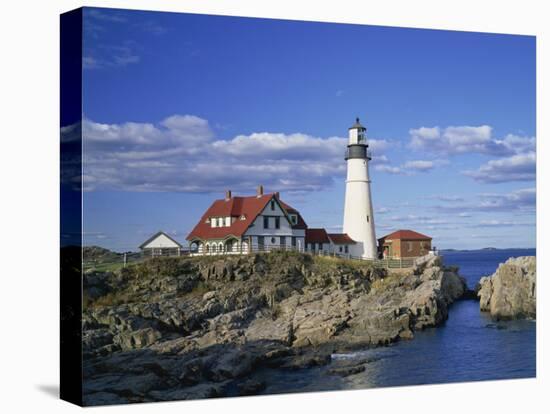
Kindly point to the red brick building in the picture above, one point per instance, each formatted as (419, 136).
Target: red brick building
(404, 243)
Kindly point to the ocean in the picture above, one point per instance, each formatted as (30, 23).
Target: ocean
(468, 347)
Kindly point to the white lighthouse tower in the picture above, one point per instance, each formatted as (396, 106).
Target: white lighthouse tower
(358, 212)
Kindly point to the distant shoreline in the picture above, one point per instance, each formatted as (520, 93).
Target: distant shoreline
(487, 249)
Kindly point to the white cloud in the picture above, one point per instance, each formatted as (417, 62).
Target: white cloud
(518, 144)
(518, 201)
(445, 197)
(524, 199)
(107, 15)
(500, 223)
(468, 139)
(388, 169)
(519, 167)
(409, 167)
(109, 57)
(419, 165)
(180, 153)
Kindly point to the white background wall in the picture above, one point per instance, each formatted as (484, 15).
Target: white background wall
(30, 355)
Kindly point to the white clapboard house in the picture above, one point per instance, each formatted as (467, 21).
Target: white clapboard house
(263, 222)
(235, 225)
(161, 244)
(320, 242)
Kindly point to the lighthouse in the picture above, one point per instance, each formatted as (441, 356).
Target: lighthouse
(358, 212)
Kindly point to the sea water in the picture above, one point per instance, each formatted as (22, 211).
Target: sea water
(469, 346)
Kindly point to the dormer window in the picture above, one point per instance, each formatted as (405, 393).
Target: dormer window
(214, 222)
(294, 218)
(243, 217)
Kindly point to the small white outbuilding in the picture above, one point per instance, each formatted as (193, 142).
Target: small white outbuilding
(161, 244)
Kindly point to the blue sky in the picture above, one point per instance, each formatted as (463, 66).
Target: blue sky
(179, 107)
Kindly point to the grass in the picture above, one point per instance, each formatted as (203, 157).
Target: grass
(103, 267)
(333, 260)
(110, 299)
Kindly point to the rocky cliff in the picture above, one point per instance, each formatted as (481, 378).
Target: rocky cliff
(180, 328)
(510, 292)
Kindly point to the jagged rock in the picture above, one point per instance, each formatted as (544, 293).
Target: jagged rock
(510, 292)
(251, 387)
(199, 327)
(347, 371)
(137, 339)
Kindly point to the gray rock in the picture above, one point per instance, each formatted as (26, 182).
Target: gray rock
(510, 293)
(182, 328)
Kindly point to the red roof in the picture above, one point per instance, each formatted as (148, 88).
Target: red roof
(405, 235)
(301, 224)
(341, 238)
(317, 236)
(247, 207)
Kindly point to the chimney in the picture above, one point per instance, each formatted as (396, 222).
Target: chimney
(277, 195)
(227, 195)
(260, 191)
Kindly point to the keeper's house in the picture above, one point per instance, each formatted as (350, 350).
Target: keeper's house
(404, 243)
(320, 242)
(235, 225)
(160, 244)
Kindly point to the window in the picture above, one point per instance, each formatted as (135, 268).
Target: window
(273, 240)
(228, 221)
(282, 241)
(293, 241)
(266, 222)
(294, 218)
(277, 222)
(243, 217)
(320, 246)
(346, 248)
(410, 246)
(272, 205)
(340, 249)
(214, 222)
(261, 242)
